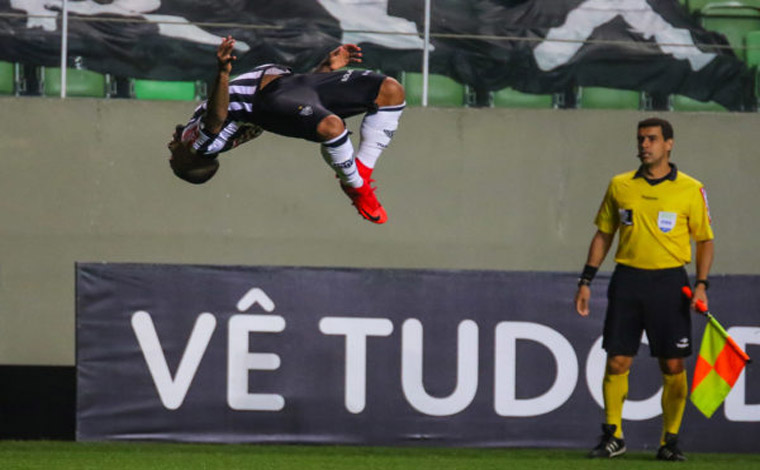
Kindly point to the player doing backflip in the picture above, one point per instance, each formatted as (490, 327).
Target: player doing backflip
(310, 106)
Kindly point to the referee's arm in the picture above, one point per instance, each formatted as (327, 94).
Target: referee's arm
(597, 251)
(704, 259)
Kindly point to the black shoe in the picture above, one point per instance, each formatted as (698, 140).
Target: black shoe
(609, 445)
(670, 451)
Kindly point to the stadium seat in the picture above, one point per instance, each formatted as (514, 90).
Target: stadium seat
(684, 103)
(7, 78)
(511, 98)
(752, 42)
(164, 90)
(608, 98)
(79, 82)
(696, 6)
(442, 90)
(733, 20)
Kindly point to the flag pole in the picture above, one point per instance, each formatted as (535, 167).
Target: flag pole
(702, 308)
(426, 56)
(64, 45)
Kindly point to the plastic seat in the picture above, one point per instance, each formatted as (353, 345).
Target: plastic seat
(163, 90)
(442, 90)
(733, 20)
(79, 82)
(7, 78)
(684, 103)
(511, 98)
(608, 98)
(696, 6)
(752, 42)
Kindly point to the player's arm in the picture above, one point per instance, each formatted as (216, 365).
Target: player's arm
(597, 251)
(219, 99)
(704, 259)
(339, 58)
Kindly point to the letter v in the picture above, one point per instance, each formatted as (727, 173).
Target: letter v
(172, 391)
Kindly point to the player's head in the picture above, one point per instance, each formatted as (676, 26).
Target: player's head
(655, 140)
(188, 165)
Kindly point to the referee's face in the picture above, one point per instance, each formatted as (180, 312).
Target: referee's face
(653, 148)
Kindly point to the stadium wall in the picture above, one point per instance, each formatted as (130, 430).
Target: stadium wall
(496, 189)
(87, 181)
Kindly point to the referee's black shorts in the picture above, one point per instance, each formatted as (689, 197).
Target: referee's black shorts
(648, 300)
(293, 105)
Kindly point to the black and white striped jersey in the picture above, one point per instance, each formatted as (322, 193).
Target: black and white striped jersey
(238, 127)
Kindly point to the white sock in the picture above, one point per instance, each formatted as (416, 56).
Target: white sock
(377, 131)
(339, 154)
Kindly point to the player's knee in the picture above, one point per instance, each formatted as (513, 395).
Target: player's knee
(391, 93)
(330, 127)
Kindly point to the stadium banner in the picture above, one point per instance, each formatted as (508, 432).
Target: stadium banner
(240, 354)
(534, 46)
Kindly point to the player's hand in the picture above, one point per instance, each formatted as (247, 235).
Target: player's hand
(344, 55)
(224, 55)
(582, 297)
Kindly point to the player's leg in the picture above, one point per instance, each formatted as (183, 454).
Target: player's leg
(378, 97)
(338, 151)
(378, 127)
(291, 106)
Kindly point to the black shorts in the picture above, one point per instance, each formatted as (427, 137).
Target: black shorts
(293, 105)
(648, 300)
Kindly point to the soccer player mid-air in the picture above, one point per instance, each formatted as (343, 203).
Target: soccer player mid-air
(310, 106)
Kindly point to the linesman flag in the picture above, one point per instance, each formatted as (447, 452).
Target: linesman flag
(719, 365)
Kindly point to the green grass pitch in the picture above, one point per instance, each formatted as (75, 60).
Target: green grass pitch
(46, 455)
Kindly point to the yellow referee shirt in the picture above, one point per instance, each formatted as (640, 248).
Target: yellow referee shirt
(655, 220)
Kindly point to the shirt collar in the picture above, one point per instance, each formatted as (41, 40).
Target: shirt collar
(670, 176)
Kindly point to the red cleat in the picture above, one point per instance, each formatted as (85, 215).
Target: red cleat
(364, 171)
(366, 202)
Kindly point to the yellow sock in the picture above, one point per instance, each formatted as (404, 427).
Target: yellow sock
(615, 391)
(674, 391)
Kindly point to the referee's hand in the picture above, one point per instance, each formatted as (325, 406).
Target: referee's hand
(582, 296)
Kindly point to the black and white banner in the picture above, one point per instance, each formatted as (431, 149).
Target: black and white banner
(532, 45)
(377, 357)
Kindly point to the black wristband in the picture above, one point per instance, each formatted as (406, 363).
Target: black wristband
(587, 275)
(589, 272)
(702, 281)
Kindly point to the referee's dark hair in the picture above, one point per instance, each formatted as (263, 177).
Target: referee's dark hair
(667, 129)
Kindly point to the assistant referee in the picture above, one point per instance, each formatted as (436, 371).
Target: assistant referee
(657, 210)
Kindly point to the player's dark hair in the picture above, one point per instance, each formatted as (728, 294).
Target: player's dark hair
(197, 175)
(667, 129)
